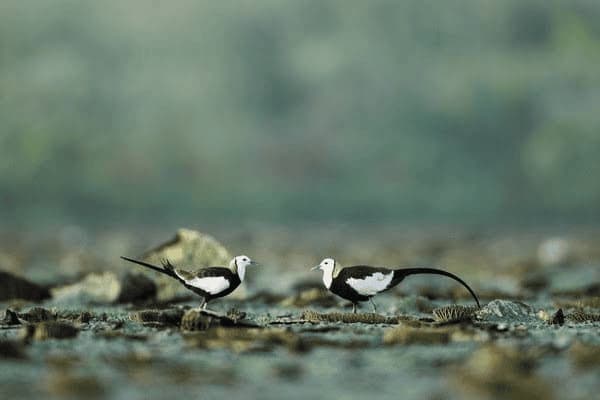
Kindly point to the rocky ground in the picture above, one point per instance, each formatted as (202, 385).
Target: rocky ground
(78, 322)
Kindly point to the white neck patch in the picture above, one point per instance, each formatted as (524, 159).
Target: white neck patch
(241, 271)
(327, 276)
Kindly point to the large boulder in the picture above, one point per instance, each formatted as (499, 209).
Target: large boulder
(107, 288)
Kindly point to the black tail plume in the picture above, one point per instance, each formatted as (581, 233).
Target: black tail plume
(167, 268)
(401, 273)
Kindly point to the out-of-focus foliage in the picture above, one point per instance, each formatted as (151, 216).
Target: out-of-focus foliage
(472, 111)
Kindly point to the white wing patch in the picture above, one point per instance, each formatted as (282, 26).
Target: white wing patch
(210, 284)
(371, 285)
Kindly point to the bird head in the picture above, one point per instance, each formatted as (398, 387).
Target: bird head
(327, 266)
(243, 261)
(239, 264)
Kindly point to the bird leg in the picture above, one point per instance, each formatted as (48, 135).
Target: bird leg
(202, 305)
(353, 308)
(373, 304)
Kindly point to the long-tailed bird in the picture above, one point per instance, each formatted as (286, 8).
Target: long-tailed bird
(361, 282)
(209, 283)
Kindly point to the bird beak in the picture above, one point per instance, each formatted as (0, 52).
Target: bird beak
(316, 267)
(252, 262)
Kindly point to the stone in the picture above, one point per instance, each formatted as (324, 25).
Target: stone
(506, 311)
(14, 287)
(158, 317)
(107, 288)
(49, 330)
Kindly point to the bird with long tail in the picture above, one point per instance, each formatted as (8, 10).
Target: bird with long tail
(362, 282)
(209, 283)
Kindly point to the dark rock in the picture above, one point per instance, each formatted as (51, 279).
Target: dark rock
(107, 288)
(10, 318)
(49, 330)
(135, 287)
(37, 314)
(158, 317)
(200, 320)
(558, 318)
(84, 317)
(14, 287)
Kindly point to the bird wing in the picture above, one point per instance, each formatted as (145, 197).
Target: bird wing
(212, 280)
(365, 280)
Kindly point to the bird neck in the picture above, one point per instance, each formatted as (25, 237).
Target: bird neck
(328, 277)
(240, 270)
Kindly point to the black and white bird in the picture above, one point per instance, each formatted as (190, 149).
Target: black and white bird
(362, 282)
(209, 283)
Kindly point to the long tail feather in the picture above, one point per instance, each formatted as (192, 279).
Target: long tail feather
(401, 273)
(165, 270)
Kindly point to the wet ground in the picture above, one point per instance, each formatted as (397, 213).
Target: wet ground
(99, 332)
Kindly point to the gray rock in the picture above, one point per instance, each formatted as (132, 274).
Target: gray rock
(106, 288)
(506, 311)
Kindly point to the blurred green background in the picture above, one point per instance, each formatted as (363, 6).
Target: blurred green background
(474, 112)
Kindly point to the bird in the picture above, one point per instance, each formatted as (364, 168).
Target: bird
(210, 282)
(362, 282)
